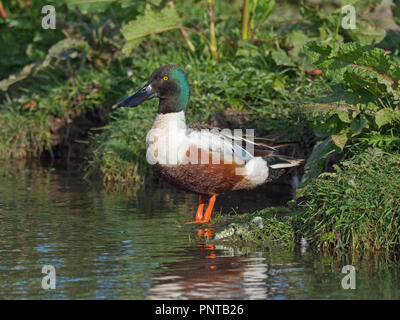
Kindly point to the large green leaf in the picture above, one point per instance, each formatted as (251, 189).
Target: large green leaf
(316, 161)
(296, 41)
(282, 59)
(350, 57)
(340, 139)
(366, 33)
(330, 125)
(359, 123)
(364, 81)
(150, 23)
(386, 116)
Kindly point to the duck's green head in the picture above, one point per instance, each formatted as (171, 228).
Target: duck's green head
(169, 84)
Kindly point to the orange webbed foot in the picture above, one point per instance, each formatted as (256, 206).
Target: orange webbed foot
(207, 215)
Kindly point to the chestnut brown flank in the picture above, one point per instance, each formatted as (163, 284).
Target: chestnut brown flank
(206, 179)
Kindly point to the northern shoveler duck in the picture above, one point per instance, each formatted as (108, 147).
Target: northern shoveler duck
(194, 158)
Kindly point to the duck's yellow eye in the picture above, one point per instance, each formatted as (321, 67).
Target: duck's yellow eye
(165, 78)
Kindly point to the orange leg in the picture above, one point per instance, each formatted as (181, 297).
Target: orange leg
(207, 214)
(199, 212)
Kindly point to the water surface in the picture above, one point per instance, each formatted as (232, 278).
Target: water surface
(135, 245)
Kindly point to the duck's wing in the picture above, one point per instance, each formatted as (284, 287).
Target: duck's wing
(261, 146)
(215, 140)
(242, 147)
(262, 143)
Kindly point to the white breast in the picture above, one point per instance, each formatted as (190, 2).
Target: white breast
(167, 141)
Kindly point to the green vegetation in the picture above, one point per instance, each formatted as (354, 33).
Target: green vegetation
(271, 226)
(355, 207)
(269, 65)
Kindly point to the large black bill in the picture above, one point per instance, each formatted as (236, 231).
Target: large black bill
(142, 95)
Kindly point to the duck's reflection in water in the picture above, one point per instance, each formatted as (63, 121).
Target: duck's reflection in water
(217, 272)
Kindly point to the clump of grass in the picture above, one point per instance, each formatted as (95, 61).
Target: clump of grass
(119, 152)
(357, 207)
(268, 226)
(26, 121)
(21, 136)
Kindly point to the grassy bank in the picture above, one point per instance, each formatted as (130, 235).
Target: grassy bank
(355, 207)
(281, 65)
(270, 226)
